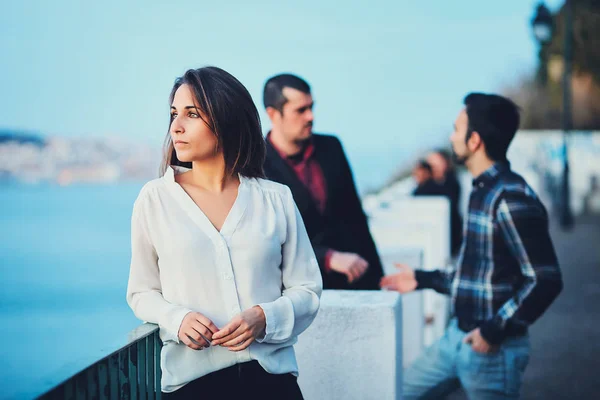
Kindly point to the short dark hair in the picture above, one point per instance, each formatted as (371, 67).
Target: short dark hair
(495, 119)
(273, 91)
(445, 153)
(447, 156)
(422, 164)
(231, 116)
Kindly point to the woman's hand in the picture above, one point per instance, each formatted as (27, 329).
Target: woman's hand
(242, 330)
(196, 331)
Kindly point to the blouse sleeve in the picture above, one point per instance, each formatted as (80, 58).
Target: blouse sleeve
(144, 292)
(295, 310)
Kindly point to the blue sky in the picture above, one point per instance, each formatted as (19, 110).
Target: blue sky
(388, 76)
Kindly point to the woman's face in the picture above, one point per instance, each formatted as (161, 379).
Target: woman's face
(192, 138)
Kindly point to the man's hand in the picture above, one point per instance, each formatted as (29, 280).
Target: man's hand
(242, 330)
(350, 264)
(478, 343)
(195, 329)
(404, 281)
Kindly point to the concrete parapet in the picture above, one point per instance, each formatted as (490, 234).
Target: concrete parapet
(353, 349)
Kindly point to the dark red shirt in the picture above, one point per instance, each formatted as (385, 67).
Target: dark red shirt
(309, 172)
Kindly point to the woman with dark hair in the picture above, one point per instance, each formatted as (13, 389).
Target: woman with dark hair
(221, 260)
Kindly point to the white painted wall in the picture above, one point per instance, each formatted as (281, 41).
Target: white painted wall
(421, 223)
(412, 303)
(536, 153)
(353, 349)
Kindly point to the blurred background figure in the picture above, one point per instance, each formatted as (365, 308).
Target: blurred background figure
(444, 175)
(423, 176)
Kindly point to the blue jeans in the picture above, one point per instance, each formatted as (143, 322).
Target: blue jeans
(450, 363)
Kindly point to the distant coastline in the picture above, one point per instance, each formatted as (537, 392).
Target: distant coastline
(31, 158)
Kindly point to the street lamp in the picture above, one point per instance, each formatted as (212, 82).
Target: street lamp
(542, 26)
(566, 215)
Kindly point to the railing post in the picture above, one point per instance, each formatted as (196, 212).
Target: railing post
(124, 383)
(150, 366)
(142, 369)
(103, 380)
(133, 364)
(158, 373)
(113, 376)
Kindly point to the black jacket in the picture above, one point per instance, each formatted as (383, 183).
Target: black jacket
(429, 188)
(343, 224)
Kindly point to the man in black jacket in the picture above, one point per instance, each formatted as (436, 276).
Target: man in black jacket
(423, 177)
(445, 176)
(315, 168)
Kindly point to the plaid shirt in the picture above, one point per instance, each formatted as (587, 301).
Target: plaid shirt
(507, 273)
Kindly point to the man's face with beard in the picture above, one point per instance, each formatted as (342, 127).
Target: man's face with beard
(460, 150)
(296, 119)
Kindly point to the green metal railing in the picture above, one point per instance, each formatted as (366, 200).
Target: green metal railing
(131, 372)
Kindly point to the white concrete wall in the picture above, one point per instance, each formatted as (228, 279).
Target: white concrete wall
(387, 240)
(413, 331)
(353, 351)
(419, 223)
(536, 153)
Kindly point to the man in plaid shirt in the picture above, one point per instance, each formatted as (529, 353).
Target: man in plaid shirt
(507, 273)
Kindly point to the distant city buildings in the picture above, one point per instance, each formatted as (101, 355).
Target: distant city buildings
(29, 158)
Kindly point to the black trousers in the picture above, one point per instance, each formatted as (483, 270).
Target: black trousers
(241, 381)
